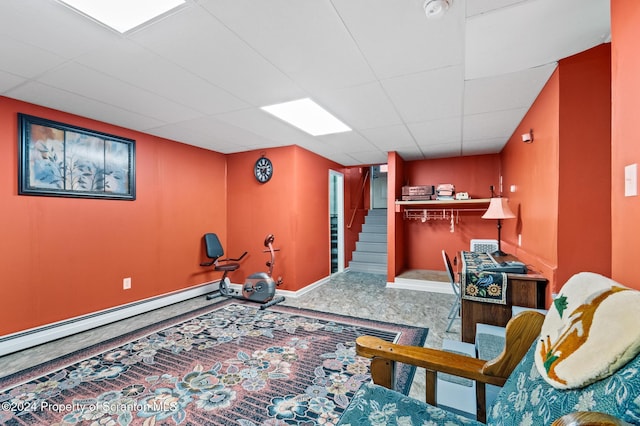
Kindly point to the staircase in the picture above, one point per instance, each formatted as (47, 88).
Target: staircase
(371, 249)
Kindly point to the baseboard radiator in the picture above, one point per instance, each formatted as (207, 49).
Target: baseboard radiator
(46, 333)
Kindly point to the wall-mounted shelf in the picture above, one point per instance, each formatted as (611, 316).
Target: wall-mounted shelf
(440, 209)
(473, 202)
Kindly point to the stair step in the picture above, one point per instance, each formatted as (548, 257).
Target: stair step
(372, 238)
(376, 229)
(371, 257)
(376, 220)
(372, 268)
(378, 247)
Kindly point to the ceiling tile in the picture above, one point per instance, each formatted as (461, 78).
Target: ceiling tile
(428, 95)
(389, 138)
(397, 38)
(484, 6)
(208, 132)
(361, 107)
(533, 33)
(79, 79)
(451, 149)
(130, 63)
(483, 146)
(306, 39)
(50, 26)
(347, 142)
(437, 132)
(369, 157)
(261, 123)
(26, 60)
(497, 124)
(62, 100)
(9, 81)
(506, 91)
(201, 44)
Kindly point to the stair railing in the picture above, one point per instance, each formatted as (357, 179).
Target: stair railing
(360, 195)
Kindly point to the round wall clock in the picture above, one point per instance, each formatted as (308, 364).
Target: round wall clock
(263, 170)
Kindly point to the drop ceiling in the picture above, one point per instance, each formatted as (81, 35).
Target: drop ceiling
(459, 85)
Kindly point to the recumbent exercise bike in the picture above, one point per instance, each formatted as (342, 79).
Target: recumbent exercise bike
(259, 287)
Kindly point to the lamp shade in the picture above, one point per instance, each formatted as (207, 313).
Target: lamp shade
(498, 209)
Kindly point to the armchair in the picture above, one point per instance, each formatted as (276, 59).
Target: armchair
(610, 396)
(520, 332)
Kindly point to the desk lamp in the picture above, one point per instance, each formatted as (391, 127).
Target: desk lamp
(499, 209)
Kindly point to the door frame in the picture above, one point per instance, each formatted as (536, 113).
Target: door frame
(375, 172)
(338, 188)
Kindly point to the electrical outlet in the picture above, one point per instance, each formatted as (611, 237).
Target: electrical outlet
(126, 283)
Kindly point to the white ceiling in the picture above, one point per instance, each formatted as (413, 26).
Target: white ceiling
(424, 88)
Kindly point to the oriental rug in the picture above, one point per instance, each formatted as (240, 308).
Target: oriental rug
(227, 364)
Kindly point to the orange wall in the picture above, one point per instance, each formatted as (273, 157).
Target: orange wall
(356, 204)
(584, 209)
(562, 179)
(625, 148)
(64, 257)
(396, 242)
(533, 169)
(293, 205)
(425, 241)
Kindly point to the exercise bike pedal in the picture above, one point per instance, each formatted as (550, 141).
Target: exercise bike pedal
(272, 302)
(213, 295)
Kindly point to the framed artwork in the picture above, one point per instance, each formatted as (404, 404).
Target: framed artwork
(57, 159)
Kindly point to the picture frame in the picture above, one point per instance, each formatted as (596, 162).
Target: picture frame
(61, 160)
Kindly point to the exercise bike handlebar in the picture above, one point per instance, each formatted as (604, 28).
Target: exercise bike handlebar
(229, 259)
(235, 260)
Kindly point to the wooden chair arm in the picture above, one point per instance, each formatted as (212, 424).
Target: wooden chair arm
(520, 333)
(430, 359)
(588, 418)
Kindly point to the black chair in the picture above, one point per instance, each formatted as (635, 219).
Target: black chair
(215, 252)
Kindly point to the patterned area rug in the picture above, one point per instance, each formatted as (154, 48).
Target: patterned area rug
(227, 364)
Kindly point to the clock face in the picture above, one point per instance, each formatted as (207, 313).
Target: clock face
(263, 169)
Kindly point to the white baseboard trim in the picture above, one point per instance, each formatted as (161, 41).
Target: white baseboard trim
(304, 290)
(421, 285)
(237, 288)
(35, 336)
(14, 342)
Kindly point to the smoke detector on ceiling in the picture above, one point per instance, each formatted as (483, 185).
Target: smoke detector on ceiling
(436, 8)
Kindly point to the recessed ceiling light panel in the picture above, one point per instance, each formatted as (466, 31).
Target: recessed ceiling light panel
(123, 15)
(308, 116)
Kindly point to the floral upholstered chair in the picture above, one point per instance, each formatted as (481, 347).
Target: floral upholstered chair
(582, 368)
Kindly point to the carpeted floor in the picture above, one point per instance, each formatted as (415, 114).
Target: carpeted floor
(227, 363)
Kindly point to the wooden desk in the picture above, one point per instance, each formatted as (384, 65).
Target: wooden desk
(526, 290)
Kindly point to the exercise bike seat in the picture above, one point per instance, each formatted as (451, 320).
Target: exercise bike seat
(214, 251)
(227, 267)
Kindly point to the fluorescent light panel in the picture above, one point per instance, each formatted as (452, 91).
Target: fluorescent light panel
(307, 116)
(123, 15)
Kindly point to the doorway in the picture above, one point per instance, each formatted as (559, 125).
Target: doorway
(379, 186)
(336, 220)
